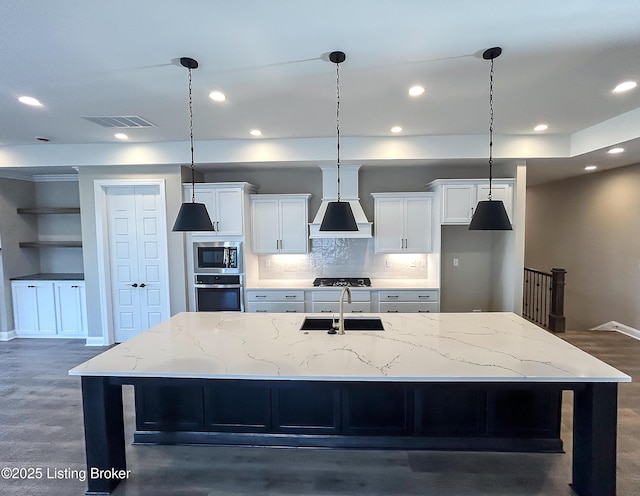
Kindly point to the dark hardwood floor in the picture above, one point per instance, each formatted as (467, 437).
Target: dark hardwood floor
(41, 427)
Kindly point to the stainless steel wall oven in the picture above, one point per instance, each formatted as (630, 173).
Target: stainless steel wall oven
(219, 293)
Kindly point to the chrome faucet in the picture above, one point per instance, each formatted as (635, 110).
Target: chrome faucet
(347, 290)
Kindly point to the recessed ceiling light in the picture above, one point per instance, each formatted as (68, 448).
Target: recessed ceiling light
(541, 127)
(590, 167)
(29, 100)
(217, 96)
(616, 150)
(121, 136)
(255, 132)
(396, 129)
(416, 90)
(626, 86)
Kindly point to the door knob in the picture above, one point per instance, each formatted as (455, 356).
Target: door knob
(142, 285)
(134, 285)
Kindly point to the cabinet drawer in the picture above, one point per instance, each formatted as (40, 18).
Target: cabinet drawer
(409, 307)
(334, 307)
(278, 295)
(410, 295)
(333, 295)
(275, 307)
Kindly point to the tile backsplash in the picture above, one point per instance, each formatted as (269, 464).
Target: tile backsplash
(340, 257)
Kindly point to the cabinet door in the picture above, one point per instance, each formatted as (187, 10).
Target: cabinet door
(417, 225)
(293, 226)
(70, 308)
(502, 192)
(458, 202)
(265, 225)
(34, 308)
(389, 236)
(229, 212)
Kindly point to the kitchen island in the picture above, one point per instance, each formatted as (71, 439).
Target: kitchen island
(483, 381)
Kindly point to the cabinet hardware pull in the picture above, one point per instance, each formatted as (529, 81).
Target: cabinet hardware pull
(290, 296)
(424, 311)
(392, 311)
(261, 311)
(392, 296)
(327, 311)
(31, 286)
(74, 286)
(260, 296)
(356, 311)
(424, 296)
(291, 311)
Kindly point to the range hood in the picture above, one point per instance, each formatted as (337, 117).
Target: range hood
(348, 193)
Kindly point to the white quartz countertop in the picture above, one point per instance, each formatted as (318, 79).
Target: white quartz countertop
(434, 347)
(376, 284)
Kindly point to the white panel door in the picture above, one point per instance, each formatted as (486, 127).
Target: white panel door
(294, 237)
(458, 202)
(265, 225)
(389, 225)
(34, 309)
(137, 255)
(417, 225)
(228, 215)
(151, 256)
(70, 304)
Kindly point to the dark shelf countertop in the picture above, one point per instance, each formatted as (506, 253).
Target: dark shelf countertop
(52, 276)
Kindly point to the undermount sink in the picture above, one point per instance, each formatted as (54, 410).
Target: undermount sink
(350, 324)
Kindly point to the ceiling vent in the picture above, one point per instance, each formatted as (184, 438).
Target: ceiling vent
(120, 121)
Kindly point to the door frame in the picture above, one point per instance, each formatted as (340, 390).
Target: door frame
(100, 191)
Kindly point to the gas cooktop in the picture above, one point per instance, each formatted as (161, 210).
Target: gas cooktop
(342, 281)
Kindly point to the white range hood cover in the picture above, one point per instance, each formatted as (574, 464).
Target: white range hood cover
(348, 193)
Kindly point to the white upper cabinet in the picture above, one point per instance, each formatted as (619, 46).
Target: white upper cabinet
(460, 197)
(403, 222)
(279, 223)
(225, 204)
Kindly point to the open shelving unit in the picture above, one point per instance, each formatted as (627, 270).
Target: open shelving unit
(48, 211)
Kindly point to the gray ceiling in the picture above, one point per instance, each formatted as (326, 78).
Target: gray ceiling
(85, 58)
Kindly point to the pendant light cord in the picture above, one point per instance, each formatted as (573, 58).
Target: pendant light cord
(338, 121)
(193, 173)
(490, 127)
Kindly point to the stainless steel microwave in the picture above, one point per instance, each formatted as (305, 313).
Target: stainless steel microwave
(217, 257)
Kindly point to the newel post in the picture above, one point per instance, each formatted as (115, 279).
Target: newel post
(556, 315)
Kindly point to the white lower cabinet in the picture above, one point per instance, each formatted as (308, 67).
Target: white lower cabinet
(408, 301)
(275, 301)
(328, 301)
(49, 308)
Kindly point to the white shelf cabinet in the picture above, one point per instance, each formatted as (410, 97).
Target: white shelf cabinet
(279, 223)
(275, 301)
(408, 301)
(460, 197)
(328, 301)
(49, 308)
(403, 222)
(225, 205)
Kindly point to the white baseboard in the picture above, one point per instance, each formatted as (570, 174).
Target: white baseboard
(95, 341)
(7, 335)
(617, 326)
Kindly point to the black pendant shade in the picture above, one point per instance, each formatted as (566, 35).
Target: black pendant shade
(193, 217)
(490, 215)
(338, 217)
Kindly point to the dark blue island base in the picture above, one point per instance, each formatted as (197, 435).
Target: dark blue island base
(489, 416)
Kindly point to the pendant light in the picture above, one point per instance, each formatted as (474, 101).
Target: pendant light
(338, 216)
(490, 215)
(192, 216)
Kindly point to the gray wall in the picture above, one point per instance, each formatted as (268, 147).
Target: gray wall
(590, 225)
(14, 228)
(173, 190)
